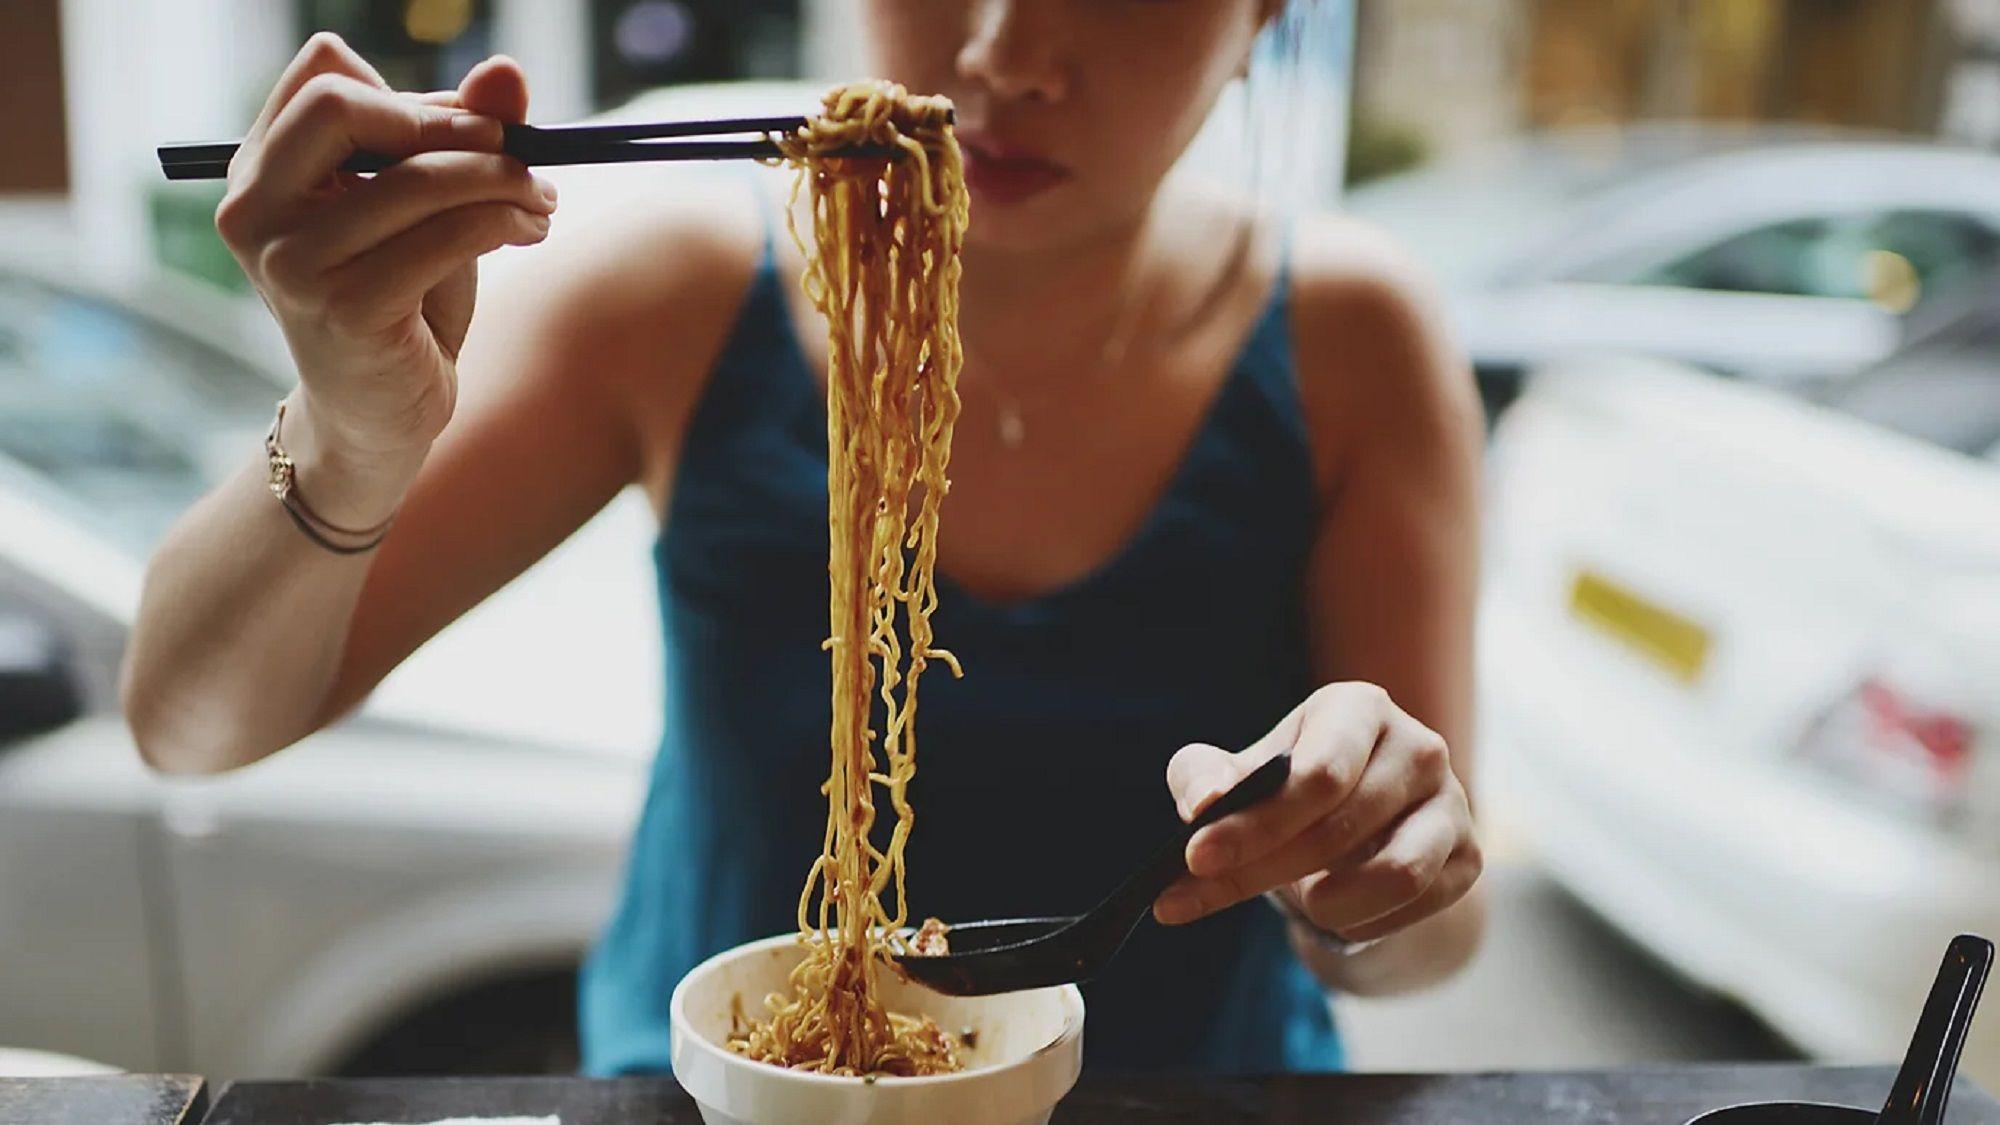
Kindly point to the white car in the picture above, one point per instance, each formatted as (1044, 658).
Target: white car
(1780, 255)
(1740, 672)
(391, 895)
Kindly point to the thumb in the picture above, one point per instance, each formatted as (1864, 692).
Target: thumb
(496, 87)
(1199, 773)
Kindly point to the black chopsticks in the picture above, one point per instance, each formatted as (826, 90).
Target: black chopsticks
(560, 144)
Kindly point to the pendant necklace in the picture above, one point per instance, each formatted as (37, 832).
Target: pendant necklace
(1012, 430)
(1011, 410)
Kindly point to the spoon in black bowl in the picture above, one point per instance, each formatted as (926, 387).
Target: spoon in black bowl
(1019, 953)
(1923, 1085)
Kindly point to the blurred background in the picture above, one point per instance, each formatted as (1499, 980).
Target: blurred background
(1729, 273)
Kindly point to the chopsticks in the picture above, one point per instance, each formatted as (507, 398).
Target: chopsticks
(560, 144)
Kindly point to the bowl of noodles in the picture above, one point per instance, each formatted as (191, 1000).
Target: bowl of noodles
(1016, 1055)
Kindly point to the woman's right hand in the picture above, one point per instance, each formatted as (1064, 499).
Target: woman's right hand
(372, 279)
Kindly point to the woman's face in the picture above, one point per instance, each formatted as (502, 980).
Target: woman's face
(1069, 111)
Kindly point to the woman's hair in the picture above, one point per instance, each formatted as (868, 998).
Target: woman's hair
(1278, 135)
(1298, 92)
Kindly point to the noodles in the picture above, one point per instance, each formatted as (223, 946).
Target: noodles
(884, 271)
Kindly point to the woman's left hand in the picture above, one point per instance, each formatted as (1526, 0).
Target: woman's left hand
(1371, 834)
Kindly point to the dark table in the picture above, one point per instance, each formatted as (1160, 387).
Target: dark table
(112, 1099)
(1667, 1095)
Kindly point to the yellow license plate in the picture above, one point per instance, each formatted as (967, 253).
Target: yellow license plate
(1674, 642)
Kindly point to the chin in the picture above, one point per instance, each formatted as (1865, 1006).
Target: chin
(997, 229)
(1046, 222)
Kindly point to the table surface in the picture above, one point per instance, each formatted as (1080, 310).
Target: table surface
(1640, 1096)
(110, 1099)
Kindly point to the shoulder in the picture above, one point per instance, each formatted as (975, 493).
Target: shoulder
(1379, 373)
(648, 255)
(629, 301)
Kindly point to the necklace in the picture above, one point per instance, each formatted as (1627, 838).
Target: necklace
(1011, 409)
(1013, 431)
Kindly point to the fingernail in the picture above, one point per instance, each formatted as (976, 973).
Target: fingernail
(1201, 802)
(1179, 904)
(548, 190)
(1213, 858)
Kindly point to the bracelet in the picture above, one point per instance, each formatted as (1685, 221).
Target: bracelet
(284, 484)
(1320, 936)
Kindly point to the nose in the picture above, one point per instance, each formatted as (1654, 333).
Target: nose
(1018, 49)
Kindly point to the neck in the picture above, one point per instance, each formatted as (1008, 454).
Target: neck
(1072, 293)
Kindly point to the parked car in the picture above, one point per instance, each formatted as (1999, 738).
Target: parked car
(1740, 670)
(398, 893)
(1780, 255)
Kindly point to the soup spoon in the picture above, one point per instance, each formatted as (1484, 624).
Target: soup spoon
(1923, 1085)
(1008, 955)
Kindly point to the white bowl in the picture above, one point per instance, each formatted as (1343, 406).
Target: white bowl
(1028, 1051)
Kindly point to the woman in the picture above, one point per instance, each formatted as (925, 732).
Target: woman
(1280, 453)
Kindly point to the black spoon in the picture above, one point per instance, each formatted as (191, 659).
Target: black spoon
(1923, 1085)
(1014, 954)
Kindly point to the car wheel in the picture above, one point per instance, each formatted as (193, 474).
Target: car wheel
(518, 1025)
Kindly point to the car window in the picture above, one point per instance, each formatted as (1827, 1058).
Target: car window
(1485, 216)
(1894, 258)
(121, 416)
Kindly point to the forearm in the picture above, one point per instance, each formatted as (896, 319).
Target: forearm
(242, 620)
(1423, 955)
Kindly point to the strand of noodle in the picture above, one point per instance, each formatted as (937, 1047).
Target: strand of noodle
(883, 269)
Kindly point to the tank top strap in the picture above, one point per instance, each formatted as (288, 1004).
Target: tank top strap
(1267, 362)
(758, 374)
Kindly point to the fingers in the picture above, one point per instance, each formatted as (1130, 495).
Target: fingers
(1372, 829)
(323, 53)
(379, 288)
(1337, 734)
(1461, 870)
(333, 116)
(1382, 797)
(1199, 773)
(497, 88)
(401, 196)
(1397, 875)
(329, 119)
(433, 97)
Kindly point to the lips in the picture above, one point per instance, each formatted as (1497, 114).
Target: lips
(997, 172)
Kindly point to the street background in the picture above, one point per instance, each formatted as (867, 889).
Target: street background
(1726, 270)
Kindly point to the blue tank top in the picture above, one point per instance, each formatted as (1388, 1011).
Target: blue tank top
(1041, 774)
